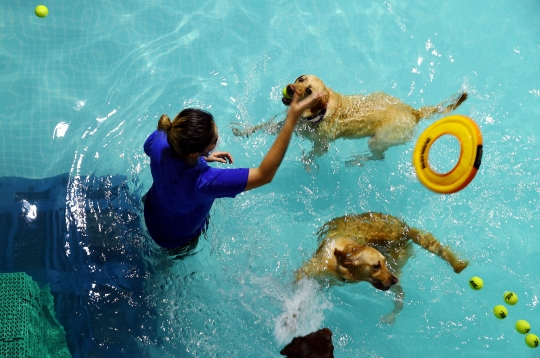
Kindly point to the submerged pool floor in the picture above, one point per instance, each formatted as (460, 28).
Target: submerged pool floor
(82, 88)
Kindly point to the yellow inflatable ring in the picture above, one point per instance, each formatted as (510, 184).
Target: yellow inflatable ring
(470, 158)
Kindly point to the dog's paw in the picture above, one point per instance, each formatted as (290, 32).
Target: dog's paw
(240, 131)
(311, 168)
(356, 160)
(389, 319)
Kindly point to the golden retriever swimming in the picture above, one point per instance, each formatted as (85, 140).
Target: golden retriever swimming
(371, 247)
(386, 120)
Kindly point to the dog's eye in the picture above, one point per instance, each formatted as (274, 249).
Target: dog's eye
(300, 79)
(308, 90)
(377, 266)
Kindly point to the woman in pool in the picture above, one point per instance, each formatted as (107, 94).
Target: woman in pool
(177, 205)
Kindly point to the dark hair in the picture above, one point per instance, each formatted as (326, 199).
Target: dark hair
(191, 131)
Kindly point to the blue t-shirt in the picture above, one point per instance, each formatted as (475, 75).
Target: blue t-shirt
(179, 201)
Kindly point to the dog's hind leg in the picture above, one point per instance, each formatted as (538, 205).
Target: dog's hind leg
(377, 146)
(431, 244)
(358, 160)
(399, 132)
(376, 153)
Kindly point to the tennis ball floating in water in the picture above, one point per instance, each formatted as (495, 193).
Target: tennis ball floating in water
(41, 11)
(285, 94)
(510, 297)
(531, 340)
(523, 326)
(476, 283)
(500, 311)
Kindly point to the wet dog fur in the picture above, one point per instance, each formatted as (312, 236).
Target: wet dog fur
(371, 247)
(314, 345)
(386, 120)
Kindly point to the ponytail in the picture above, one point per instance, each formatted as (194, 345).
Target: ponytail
(164, 123)
(191, 131)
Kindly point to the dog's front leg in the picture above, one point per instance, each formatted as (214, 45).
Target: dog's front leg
(320, 147)
(398, 304)
(269, 127)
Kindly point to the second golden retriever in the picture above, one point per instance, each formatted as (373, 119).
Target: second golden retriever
(386, 120)
(371, 247)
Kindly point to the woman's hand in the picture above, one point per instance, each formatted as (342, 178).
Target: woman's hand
(267, 169)
(221, 157)
(298, 106)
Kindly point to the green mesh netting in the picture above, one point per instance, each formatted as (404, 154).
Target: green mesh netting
(28, 327)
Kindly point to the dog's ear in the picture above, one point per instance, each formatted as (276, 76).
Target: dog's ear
(342, 257)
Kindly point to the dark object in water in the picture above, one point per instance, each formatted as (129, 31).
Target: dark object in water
(314, 345)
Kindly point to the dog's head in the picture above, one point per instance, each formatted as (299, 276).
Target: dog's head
(314, 345)
(304, 86)
(363, 263)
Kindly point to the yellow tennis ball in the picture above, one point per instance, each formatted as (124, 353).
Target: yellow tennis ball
(42, 11)
(531, 340)
(285, 94)
(510, 297)
(523, 326)
(476, 283)
(500, 311)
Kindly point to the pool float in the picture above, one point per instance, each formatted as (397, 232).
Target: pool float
(470, 158)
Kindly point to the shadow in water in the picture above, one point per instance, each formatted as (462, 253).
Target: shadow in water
(84, 237)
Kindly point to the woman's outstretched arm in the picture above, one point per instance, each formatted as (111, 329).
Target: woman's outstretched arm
(269, 165)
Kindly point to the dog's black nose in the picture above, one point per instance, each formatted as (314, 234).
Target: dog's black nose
(290, 91)
(394, 280)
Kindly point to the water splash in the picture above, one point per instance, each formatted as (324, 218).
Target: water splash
(60, 130)
(29, 210)
(303, 311)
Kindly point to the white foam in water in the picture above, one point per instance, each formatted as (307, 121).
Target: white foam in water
(29, 210)
(303, 311)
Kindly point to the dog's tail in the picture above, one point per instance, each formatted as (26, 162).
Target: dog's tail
(431, 244)
(443, 108)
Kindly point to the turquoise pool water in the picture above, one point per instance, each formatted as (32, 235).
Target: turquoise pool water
(81, 89)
